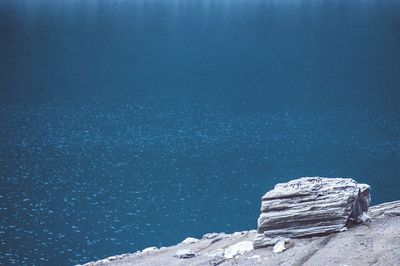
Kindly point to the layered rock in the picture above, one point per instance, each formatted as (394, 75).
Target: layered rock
(310, 206)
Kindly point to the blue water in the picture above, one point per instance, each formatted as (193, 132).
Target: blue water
(127, 124)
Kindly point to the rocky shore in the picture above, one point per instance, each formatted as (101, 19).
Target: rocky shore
(371, 237)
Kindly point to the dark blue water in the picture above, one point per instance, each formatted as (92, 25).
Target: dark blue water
(126, 124)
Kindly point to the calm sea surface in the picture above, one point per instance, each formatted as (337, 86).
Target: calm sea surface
(127, 124)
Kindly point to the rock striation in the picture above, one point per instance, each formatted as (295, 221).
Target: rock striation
(310, 206)
(388, 209)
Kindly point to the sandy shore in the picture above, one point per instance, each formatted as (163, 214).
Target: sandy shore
(373, 243)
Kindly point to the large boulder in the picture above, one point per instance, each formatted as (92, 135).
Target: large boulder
(310, 206)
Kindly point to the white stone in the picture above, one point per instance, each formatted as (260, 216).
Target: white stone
(238, 249)
(279, 247)
(363, 218)
(218, 238)
(184, 254)
(211, 235)
(149, 249)
(236, 234)
(190, 240)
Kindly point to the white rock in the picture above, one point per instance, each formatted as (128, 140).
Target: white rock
(211, 235)
(184, 254)
(117, 257)
(190, 240)
(218, 238)
(238, 249)
(279, 247)
(236, 234)
(363, 218)
(149, 249)
(111, 258)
